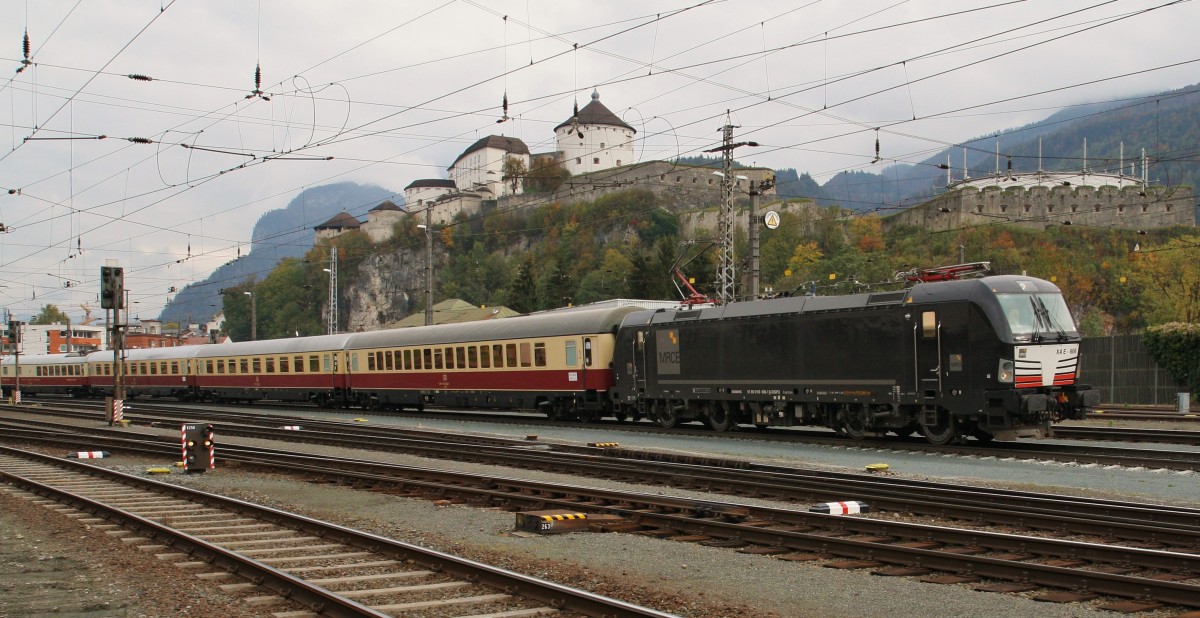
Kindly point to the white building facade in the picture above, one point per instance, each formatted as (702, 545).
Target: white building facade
(594, 139)
(481, 166)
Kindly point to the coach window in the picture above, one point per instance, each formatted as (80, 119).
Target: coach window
(587, 351)
(510, 355)
(257, 364)
(370, 362)
(391, 363)
(460, 357)
(485, 357)
(572, 355)
(270, 364)
(314, 364)
(929, 324)
(437, 359)
(327, 363)
(107, 369)
(162, 367)
(472, 357)
(526, 360)
(208, 367)
(427, 353)
(497, 356)
(174, 368)
(153, 369)
(539, 355)
(450, 358)
(244, 365)
(283, 365)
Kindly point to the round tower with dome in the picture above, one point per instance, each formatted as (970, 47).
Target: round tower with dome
(593, 139)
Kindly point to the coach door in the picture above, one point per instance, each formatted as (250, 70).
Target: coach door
(927, 354)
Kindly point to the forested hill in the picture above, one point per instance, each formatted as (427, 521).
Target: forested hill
(279, 233)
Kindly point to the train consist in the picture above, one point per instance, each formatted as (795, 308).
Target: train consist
(992, 357)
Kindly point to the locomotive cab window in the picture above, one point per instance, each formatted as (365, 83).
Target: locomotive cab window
(929, 324)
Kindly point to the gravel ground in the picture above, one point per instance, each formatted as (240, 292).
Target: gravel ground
(687, 579)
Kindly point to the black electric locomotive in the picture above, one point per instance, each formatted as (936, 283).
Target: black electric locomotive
(993, 357)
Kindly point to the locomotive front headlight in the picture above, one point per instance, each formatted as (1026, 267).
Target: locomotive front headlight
(1005, 373)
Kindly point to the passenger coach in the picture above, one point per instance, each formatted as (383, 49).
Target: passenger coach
(558, 363)
(299, 369)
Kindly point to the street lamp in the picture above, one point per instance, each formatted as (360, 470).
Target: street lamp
(428, 268)
(253, 316)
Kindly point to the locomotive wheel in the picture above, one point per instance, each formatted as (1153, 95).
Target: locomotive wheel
(853, 422)
(718, 417)
(664, 414)
(945, 432)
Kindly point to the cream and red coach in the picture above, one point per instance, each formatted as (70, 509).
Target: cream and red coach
(559, 363)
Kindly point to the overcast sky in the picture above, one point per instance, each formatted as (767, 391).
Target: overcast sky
(386, 92)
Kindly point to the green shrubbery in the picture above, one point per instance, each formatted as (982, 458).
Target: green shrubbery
(1176, 347)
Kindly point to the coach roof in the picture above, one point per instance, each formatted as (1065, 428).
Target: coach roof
(293, 345)
(550, 324)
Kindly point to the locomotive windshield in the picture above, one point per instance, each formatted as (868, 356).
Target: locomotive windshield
(1033, 317)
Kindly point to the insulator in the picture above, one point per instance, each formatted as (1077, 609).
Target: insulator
(139, 140)
(26, 45)
(257, 76)
(139, 77)
(504, 105)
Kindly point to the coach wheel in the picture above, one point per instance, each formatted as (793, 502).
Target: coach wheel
(664, 414)
(945, 431)
(718, 417)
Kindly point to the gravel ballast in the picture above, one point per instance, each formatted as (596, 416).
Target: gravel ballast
(687, 579)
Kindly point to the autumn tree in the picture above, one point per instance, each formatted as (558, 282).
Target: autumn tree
(1170, 278)
(50, 315)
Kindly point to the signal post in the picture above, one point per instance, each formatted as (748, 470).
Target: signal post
(112, 296)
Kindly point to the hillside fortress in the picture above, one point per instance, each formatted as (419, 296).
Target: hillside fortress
(1053, 198)
(594, 151)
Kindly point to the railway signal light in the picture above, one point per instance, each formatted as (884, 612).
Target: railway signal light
(112, 287)
(199, 448)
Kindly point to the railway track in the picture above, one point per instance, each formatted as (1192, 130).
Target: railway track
(734, 477)
(324, 568)
(1028, 450)
(887, 547)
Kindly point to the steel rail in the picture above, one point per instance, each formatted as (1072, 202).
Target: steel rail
(556, 595)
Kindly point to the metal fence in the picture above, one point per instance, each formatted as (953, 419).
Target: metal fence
(1121, 367)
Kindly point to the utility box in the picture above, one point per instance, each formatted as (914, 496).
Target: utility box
(1185, 403)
